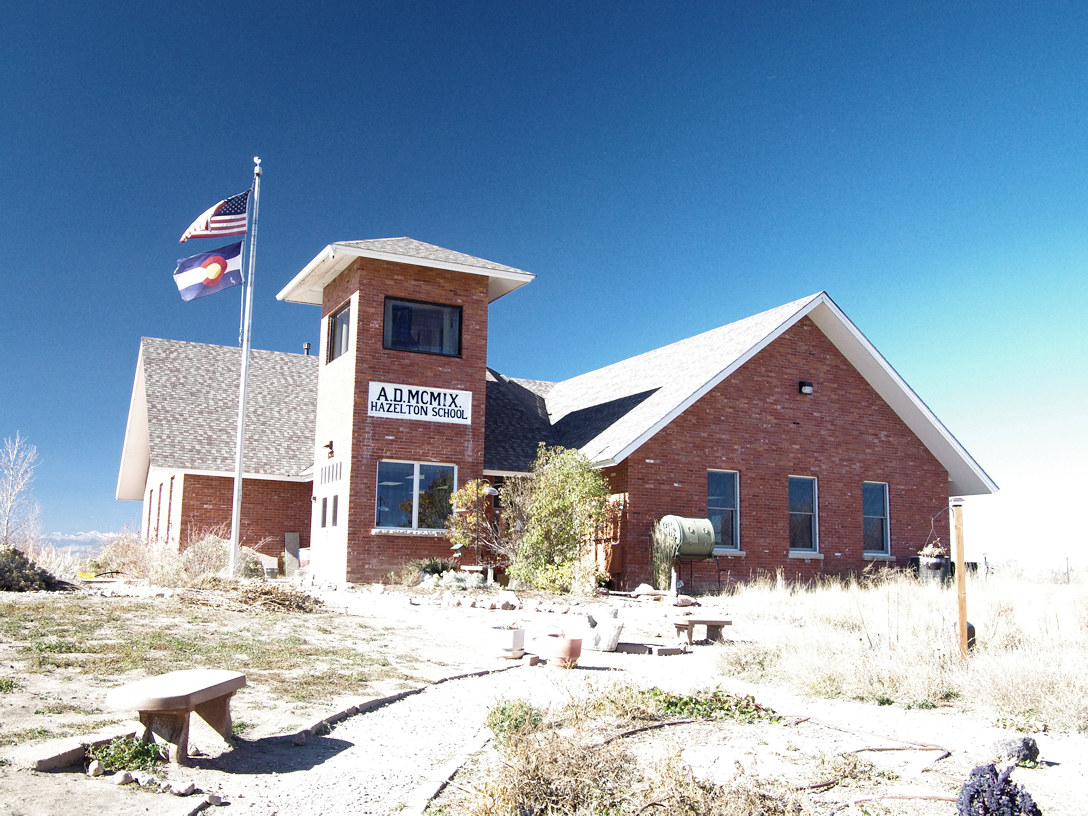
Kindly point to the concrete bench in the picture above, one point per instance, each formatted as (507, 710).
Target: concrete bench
(686, 626)
(166, 701)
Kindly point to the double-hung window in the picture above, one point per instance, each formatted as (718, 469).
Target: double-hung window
(414, 495)
(339, 330)
(804, 521)
(722, 508)
(874, 517)
(431, 328)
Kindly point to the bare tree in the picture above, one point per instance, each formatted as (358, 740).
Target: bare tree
(18, 510)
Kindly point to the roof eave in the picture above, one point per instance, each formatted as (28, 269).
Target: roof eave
(307, 286)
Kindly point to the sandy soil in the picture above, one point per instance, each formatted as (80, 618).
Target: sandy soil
(386, 760)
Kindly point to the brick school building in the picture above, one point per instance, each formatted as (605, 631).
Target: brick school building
(787, 429)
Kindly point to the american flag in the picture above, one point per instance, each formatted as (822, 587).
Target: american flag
(228, 217)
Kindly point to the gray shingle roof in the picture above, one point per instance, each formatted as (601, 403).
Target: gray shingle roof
(411, 248)
(192, 407)
(607, 412)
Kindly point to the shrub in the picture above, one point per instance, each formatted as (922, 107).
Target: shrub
(990, 793)
(567, 499)
(127, 754)
(19, 574)
(513, 718)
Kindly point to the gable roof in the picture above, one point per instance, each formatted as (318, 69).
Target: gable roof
(307, 285)
(609, 413)
(184, 413)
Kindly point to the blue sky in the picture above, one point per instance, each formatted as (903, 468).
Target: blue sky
(662, 168)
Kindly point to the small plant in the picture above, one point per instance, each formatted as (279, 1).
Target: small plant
(933, 549)
(127, 754)
(512, 718)
(714, 705)
(990, 793)
(7, 685)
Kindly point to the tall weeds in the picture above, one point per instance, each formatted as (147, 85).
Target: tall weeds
(887, 638)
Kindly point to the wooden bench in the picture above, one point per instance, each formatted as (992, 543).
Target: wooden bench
(166, 701)
(686, 626)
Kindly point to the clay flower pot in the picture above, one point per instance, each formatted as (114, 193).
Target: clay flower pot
(565, 651)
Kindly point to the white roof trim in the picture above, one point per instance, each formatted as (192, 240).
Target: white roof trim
(307, 285)
(136, 451)
(965, 476)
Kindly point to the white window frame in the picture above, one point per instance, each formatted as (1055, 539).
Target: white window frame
(719, 548)
(887, 518)
(815, 515)
(415, 494)
(338, 346)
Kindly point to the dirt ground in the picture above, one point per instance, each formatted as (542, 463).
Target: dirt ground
(912, 761)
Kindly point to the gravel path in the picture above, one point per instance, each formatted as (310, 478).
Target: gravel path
(376, 762)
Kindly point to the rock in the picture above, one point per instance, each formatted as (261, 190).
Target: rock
(95, 768)
(213, 799)
(507, 597)
(144, 779)
(684, 600)
(643, 589)
(604, 637)
(1017, 749)
(121, 778)
(182, 788)
(301, 737)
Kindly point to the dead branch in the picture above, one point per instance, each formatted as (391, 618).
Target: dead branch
(640, 729)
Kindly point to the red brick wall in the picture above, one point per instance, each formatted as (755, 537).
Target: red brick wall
(756, 423)
(372, 557)
(269, 509)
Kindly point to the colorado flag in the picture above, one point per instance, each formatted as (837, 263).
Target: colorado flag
(209, 272)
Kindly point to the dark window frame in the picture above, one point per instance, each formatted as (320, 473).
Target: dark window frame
(733, 511)
(798, 516)
(867, 518)
(389, 341)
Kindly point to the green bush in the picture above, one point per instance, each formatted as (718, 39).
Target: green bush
(511, 718)
(19, 574)
(127, 754)
(565, 505)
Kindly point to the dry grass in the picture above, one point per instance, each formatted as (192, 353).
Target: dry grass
(565, 769)
(892, 640)
(102, 637)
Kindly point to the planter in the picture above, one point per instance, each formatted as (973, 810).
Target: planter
(931, 562)
(510, 642)
(565, 651)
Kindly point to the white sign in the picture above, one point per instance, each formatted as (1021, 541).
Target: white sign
(420, 402)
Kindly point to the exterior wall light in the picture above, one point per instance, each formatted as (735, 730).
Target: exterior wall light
(805, 387)
(329, 446)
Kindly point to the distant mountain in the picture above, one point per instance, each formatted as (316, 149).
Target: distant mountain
(80, 545)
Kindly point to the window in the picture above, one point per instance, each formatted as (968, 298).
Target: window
(803, 516)
(721, 508)
(335, 504)
(339, 326)
(874, 516)
(324, 511)
(414, 495)
(426, 327)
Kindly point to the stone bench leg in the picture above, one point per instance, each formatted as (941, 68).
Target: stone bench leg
(216, 713)
(172, 727)
(683, 629)
(714, 632)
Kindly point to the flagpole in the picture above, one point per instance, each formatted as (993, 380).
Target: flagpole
(236, 512)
